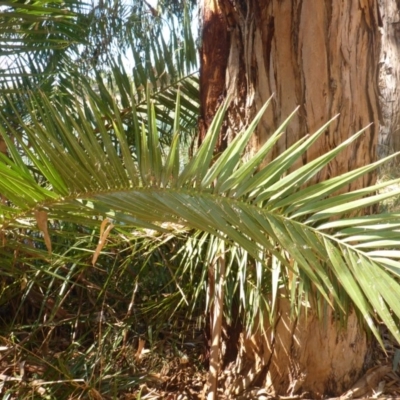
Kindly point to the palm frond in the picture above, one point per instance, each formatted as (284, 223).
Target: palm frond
(66, 164)
(48, 45)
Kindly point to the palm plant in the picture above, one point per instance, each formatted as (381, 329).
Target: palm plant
(211, 230)
(58, 165)
(65, 167)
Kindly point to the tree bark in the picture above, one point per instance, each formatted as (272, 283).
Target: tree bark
(300, 356)
(322, 56)
(389, 78)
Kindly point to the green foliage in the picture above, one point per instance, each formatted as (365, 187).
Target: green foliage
(50, 40)
(78, 327)
(115, 49)
(75, 56)
(67, 165)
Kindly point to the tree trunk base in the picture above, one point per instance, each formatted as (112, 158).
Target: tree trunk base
(300, 356)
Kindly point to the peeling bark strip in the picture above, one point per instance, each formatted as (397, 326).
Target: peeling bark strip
(389, 75)
(321, 55)
(306, 358)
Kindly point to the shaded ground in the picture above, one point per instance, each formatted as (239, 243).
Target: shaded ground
(171, 366)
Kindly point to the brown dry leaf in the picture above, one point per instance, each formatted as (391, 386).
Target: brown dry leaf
(41, 219)
(104, 232)
(140, 348)
(95, 394)
(3, 146)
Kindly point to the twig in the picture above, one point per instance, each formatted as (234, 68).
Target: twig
(216, 325)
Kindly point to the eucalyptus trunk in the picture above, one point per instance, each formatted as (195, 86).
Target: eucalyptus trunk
(389, 78)
(322, 56)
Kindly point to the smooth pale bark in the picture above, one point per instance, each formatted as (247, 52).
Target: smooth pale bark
(322, 56)
(389, 78)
